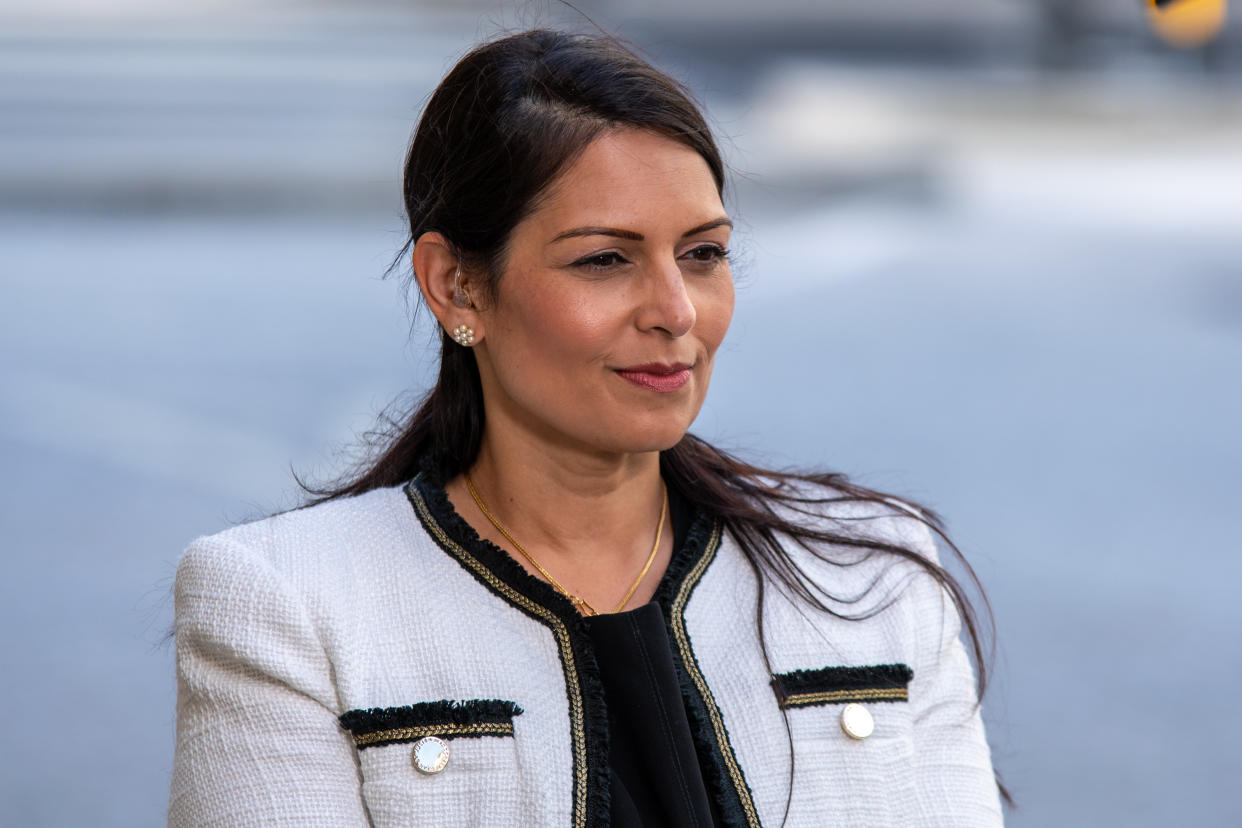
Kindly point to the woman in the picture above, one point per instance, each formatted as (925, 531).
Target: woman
(545, 603)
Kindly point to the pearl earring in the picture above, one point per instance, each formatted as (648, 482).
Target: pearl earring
(463, 335)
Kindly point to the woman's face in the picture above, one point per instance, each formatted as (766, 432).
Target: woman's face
(615, 296)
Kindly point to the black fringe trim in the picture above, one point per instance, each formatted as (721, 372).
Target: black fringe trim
(846, 684)
(443, 712)
(722, 793)
(429, 486)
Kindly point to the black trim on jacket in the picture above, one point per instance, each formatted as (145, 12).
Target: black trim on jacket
(842, 685)
(446, 718)
(505, 577)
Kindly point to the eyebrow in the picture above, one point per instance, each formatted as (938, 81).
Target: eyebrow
(579, 232)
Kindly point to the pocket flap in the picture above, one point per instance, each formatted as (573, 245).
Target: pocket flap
(843, 685)
(447, 719)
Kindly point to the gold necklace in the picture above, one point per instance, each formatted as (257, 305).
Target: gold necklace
(580, 603)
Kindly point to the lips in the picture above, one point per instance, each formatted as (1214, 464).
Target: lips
(657, 376)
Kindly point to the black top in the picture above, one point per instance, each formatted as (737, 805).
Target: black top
(607, 706)
(654, 772)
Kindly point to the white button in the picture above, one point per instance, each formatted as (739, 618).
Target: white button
(431, 754)
(856, 721)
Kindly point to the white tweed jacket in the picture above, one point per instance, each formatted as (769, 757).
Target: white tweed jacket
(388, 605)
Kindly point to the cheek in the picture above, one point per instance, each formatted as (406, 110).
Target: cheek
(714, 315)
(584, 321)
(557, 327)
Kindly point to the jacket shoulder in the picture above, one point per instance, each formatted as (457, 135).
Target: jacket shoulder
(863, 525)
(327, 553)
(325, 534)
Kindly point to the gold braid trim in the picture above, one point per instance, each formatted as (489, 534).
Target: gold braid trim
(839, 696)
(692, 667)
(577, 716)
(448, 731)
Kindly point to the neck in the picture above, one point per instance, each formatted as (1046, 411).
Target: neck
(566, 502)
(590, 520)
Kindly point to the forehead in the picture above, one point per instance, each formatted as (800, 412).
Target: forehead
(626, 177)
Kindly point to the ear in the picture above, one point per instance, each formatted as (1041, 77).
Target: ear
(443, 284)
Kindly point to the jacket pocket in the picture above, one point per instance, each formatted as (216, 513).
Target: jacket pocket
(843, 685)
(437, 763)
(853, 743)
(443, 719)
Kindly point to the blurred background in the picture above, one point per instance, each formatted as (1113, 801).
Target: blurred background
(989, 257)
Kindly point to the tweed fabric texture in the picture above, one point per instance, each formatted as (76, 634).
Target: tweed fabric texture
(284, 624)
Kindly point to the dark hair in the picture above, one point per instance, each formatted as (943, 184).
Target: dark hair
(495, 133)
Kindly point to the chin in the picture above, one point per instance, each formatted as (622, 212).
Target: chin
(647, 440)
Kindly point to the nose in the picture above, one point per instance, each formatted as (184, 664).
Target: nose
(667, 305)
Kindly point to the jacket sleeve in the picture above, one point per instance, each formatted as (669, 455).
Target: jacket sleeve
(258, 742)
(954, 782)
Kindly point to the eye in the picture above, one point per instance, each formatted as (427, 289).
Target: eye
(707, 254)
(601, 261)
